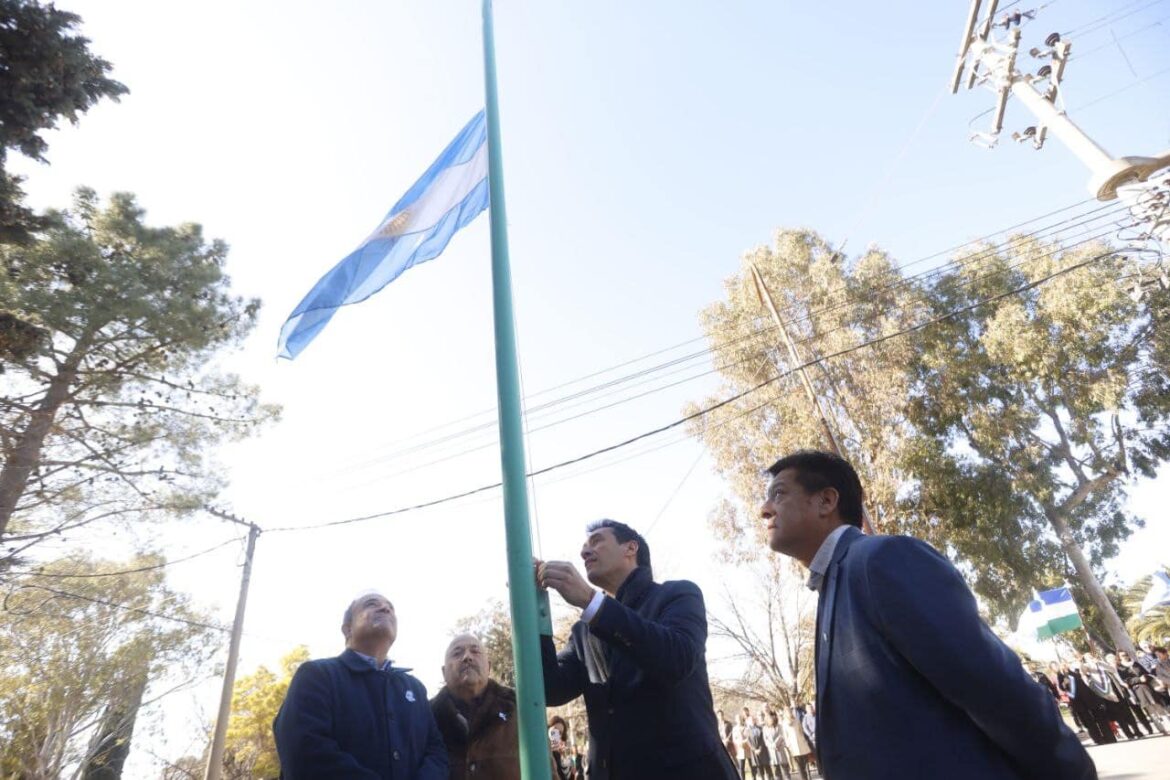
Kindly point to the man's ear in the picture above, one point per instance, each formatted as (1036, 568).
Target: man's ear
(829, 499)
(634, 549)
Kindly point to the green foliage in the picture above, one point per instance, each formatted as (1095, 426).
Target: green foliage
(46, 73)
(1036, 411)
(1005, 432)
(250, 748)
(113, 411)
(828, 307)
(1154, 626)
(75, 646)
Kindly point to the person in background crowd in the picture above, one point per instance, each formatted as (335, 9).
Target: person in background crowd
(898, 631)
(745, 747)
(726, 728)
(1126, 694)
(564, 764)
(1047, 683)
(798, 748)
(775, 741)
(1102, 682)
(1089, 707)
(809, 725)
(1062, 684)
(357, 715)
(739, 734)
(761, 756)
(638, 655)
(476, 716)
(1145, 657)
(1162, 666)
(1140, 684)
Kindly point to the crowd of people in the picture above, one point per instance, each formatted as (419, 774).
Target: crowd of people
(897, 631)
(1120, 695)
(772, 745)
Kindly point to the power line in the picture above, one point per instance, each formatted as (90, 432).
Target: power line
(970, 262)
(163, 565)
(1080, 220)
(115, 605)
(471, 450)
(675, 492)
(709, 409)
(1116, 15)
(1082, 55)
(693, 355)
(1119, 90)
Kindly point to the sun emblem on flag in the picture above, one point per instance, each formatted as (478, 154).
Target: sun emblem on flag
(395, 225)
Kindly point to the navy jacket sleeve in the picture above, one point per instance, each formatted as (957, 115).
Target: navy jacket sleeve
(564, 672)
(434, 764)
(303, 731)
(668, 648)
(930, 617)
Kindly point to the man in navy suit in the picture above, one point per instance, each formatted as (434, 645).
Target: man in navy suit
(356, 716)
(910, 681)
(638, 654)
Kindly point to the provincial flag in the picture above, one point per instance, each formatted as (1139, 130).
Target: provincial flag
(1052, 612)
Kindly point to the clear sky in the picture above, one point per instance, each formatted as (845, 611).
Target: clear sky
(647, 146)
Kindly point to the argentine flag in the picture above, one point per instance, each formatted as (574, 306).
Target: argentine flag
(452, 192)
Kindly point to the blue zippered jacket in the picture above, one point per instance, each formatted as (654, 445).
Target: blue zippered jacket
(343, 719)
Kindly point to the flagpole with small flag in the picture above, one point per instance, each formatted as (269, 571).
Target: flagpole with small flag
(526, 618)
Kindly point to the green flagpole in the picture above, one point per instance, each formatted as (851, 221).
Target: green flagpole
(526, 621)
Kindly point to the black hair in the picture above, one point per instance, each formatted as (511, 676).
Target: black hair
(623, 533)
(817, 470)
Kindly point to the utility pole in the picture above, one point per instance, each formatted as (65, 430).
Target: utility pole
(989, 58)
(765, 296)
(215, 758)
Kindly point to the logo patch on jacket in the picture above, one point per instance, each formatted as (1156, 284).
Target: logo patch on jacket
(410, 695)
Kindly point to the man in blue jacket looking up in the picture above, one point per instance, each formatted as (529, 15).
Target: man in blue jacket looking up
(356, 717)
(910, 681)
(638, 654)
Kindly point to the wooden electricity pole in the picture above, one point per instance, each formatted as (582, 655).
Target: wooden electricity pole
(215, 757)
(798, 366)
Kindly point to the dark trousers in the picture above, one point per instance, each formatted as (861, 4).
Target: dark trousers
(802, 767)
(1096, 720)
(764, 763)
(1120, 712)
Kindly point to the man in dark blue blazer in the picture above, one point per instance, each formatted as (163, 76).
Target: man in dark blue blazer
(356, 717)
(638, 654)
(911, 683)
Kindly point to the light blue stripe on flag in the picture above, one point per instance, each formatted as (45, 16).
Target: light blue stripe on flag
(452, 192)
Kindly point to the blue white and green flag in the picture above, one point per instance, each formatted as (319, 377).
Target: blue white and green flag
(1052, 612)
